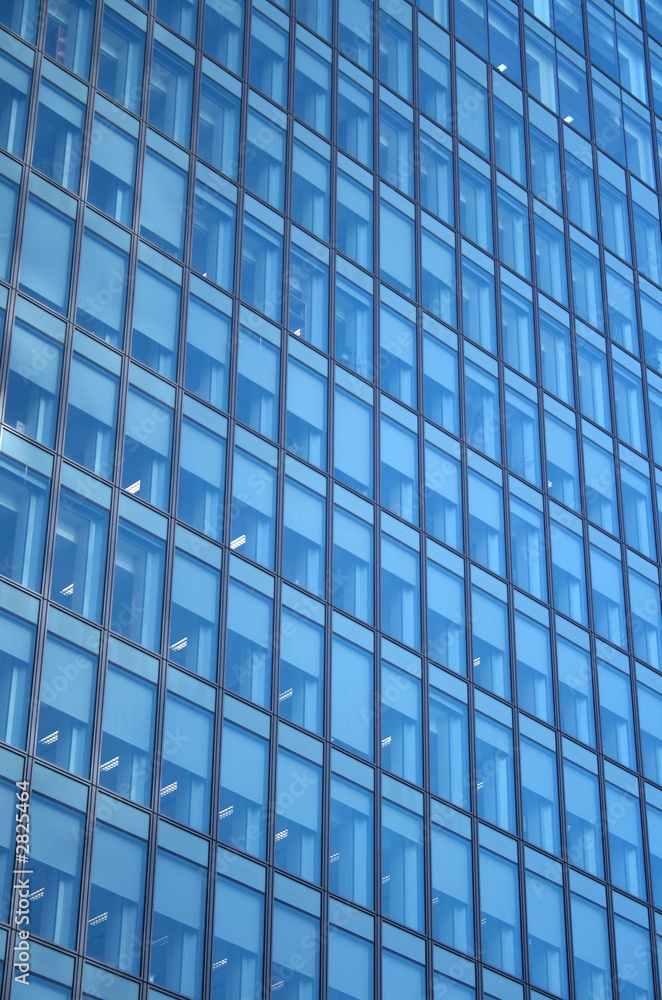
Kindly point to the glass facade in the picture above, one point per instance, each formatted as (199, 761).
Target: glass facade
(331, 499)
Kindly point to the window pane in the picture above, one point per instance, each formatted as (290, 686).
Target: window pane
(91, 417)
(23, 514)
(207, 353)
(66, 711)
(69, 29)
(194, 614)
(244, 787)
(295, 957)
(58, 136)
(186, 769)
(79, 559)
(249, 644)
(115, 923)
(147, 449)
(540, 807)
(298, 820)
(138, 586)
(494, 773)
(33, 384)
(14, 98)
(170, 88)
(402, 866)
(102, 284)
(201, 479)
(301, 679)
(127, 746)
(46, 256)
(500, 919)
(309, 298)
(352, 719)
(163, 205)
(121, 60)
(452, 892)
(212, 251)
(351, 835)
(253, 508)
(156, 321)
(179, 923)
(304, 538)
(17, 640)
(306, 413)
(238, 932)
(56, 851)
(400, 580)
(224, 33)
(111, 182)
(449, 748)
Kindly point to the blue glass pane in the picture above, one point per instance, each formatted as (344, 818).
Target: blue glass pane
(244, 789)
(238, 941)
(127, 744)
(17, 640)
(23, 512)
(79, 559)
(66, 711)
(178, 929)
(56, 851)
(114, 926)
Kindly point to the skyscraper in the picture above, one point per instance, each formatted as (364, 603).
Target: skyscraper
(330, 499)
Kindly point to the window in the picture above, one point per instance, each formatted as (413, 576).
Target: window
(115, 923)
(121, 60)
(14, 98)
(33, 383)
(69, 28)
(56, 841)
(194, 612)
(59, 136)
(126, 761)
(179, 920)
(207, 346)
(306, 413)
(258, 381)
(254, 508)
(17, 641)
(244, 786)
(23, 513)
(170, 90)
(304, 537)
(111, 182)
(301, 677)
(147, 447)
(500, 919)
(212, 251)
(298, 819)
(201, 478)
(223, 38)
(249, 643)
(238, 940)
(79, 559)
(46, 256)
(188, 737)
(163, 204)
(402, 866)
(102, 285)
(91, 416)
(452, 889)
(351, 838)
(138, 584)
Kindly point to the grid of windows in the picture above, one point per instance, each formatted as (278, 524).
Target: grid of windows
(331, 497)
